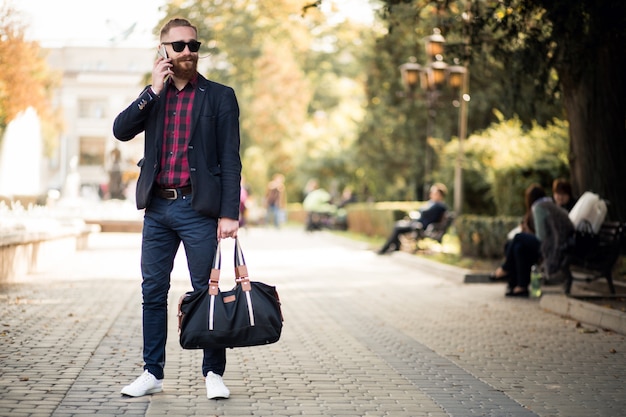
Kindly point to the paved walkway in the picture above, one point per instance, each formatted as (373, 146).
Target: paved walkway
(364, 335)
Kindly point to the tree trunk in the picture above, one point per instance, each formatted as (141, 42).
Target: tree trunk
(595, 99)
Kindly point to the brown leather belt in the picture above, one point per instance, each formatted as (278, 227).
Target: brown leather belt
(172, 193)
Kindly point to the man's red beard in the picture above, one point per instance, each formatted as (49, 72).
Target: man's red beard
(185, 67)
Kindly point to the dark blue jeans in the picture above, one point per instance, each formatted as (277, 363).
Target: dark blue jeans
(166, 224)
(521, 254)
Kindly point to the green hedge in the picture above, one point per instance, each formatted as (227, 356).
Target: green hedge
(479, 236)
(484, 236)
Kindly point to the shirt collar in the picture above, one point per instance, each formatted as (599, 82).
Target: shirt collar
(193, 81)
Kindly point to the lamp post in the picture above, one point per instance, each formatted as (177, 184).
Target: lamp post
(458, 74)
(431, 78)
(412, 77)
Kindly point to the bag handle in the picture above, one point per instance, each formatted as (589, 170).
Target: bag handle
(241, 278)
(241, 270)
(214, 276)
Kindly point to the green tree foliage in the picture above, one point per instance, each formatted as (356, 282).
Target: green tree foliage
(294, 76)
(392, 139)
(534, 60)
(582, 43)
(503, 160)
(392, 143)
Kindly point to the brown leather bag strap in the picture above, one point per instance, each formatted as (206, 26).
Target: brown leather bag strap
(214, 278)
(241, 270)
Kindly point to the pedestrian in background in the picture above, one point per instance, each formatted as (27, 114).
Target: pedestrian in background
(562, 194)
(523, 251)
(243, 203)
(189, 186)
(276, 201)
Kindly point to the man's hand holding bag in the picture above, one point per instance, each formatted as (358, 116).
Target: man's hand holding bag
(247, 315)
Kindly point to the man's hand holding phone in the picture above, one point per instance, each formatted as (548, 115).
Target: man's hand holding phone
(161, 70)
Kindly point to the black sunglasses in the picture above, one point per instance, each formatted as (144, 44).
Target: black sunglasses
(179, 46)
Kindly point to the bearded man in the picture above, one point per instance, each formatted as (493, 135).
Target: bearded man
(189, 186)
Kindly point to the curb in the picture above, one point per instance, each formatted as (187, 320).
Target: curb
(560, 304)
(588, 313)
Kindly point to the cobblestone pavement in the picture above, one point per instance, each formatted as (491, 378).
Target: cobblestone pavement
(364, 335)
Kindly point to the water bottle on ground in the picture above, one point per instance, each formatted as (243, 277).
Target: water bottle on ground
(535, 282)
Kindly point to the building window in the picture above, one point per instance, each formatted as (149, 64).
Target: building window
(92, 150)
(92, 108)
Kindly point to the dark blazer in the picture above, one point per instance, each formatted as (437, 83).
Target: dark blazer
(432, 212)
(214, 161)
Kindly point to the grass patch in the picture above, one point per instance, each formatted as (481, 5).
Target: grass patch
(449, 252)
(446, 252)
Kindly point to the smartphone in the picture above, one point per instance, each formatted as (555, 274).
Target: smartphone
(163, 51)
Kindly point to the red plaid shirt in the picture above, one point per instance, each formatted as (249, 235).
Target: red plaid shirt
(174, 163)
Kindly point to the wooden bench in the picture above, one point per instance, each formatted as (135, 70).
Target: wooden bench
(594, 259)
(434, 231)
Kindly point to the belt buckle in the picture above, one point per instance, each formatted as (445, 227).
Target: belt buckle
(173, 190)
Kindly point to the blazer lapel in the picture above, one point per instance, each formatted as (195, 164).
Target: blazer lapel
(198, 103)
(159, 126)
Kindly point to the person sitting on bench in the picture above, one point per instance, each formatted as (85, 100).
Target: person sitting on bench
(562, 194)
(431, 212)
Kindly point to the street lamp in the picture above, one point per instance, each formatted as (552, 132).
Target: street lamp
(431, 78)
(415, 76)
(459, 82)
(411, 73)
(434, 44)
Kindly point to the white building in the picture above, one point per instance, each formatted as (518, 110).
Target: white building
(97, 83)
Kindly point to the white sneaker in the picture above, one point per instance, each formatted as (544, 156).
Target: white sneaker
(144, 385)
(215, 387)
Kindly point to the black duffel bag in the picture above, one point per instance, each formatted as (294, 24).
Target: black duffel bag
(247, 315)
